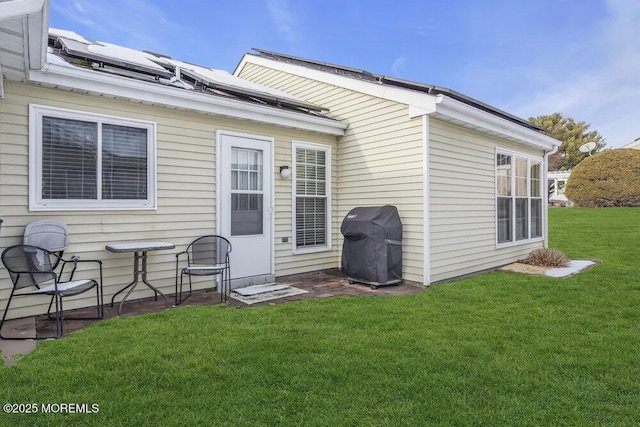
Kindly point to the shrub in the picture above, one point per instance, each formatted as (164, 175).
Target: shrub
(545, 257)
(610, 178)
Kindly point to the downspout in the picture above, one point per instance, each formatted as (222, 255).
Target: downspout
(545, 174)
(426, 204)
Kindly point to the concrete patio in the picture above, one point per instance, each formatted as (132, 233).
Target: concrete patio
(324, 284)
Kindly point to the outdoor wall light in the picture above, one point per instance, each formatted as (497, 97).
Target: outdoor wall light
(285, 172)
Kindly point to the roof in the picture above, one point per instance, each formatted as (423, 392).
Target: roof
(395, 82)
(633, 144)
(64, 60)
(155, 68)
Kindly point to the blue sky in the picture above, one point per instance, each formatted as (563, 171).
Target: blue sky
(528, 57)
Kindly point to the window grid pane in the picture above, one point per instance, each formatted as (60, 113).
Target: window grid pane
(536, 218)
(521, 177)
(504, 219)
(522, 219)
(503, 175)
(536, 179)
(124, 162)
(69, 159)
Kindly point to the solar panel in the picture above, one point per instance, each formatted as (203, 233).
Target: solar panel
(163, 69)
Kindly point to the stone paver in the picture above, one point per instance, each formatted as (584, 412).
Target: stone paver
(324, 284)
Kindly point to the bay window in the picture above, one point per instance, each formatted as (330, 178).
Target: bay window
(519, 199)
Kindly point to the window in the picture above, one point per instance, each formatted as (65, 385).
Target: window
(246, 192)
(518, 198)
(311, 184)
(88, 161)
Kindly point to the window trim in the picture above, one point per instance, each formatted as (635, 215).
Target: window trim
(529, 158)
(294, 244)
(36, 201)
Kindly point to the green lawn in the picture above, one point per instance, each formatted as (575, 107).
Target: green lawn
(496, 349)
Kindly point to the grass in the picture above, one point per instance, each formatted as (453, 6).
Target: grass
(495, 349)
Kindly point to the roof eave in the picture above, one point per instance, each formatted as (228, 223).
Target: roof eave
(365, 76)
(78, 79)
(450, 109)
(420, 103)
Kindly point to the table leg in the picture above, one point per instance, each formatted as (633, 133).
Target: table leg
(131, 285)
(137, 271)
(146, 282)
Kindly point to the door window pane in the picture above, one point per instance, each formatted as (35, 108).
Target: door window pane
(246, 214)
(247, 199)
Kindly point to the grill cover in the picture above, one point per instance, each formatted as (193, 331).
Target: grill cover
(372, 250)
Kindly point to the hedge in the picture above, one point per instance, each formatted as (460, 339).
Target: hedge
(609, 178)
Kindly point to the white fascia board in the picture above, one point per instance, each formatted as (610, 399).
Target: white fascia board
(458, 111)
(78, 79)
(418, 103)
(17, 8)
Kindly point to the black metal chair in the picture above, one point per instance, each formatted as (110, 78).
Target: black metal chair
(205, 256)
(31, 269)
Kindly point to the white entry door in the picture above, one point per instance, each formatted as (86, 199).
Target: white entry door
(244, 205)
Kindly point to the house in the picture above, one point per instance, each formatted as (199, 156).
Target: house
(468, 179)
(557, 185)
(124, 145)
(127, 146)
(635, 144)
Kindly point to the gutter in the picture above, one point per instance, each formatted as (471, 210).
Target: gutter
(71, 78)
(359, 74)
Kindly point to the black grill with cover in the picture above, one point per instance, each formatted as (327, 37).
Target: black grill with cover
(372, 250)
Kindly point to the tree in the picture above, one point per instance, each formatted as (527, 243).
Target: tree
(573, 135)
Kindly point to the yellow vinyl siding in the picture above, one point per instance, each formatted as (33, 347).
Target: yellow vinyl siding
(379, 160)
(186, 186)
(463, 205)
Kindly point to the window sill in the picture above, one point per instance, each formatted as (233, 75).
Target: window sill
(519, 242)
(311, 250)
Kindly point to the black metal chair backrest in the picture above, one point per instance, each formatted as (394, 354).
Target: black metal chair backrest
(28, 265)
(50, 234)
(209, 250)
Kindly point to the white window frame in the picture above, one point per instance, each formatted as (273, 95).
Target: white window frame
(529, 158)
(318, 147)
(38, 203)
